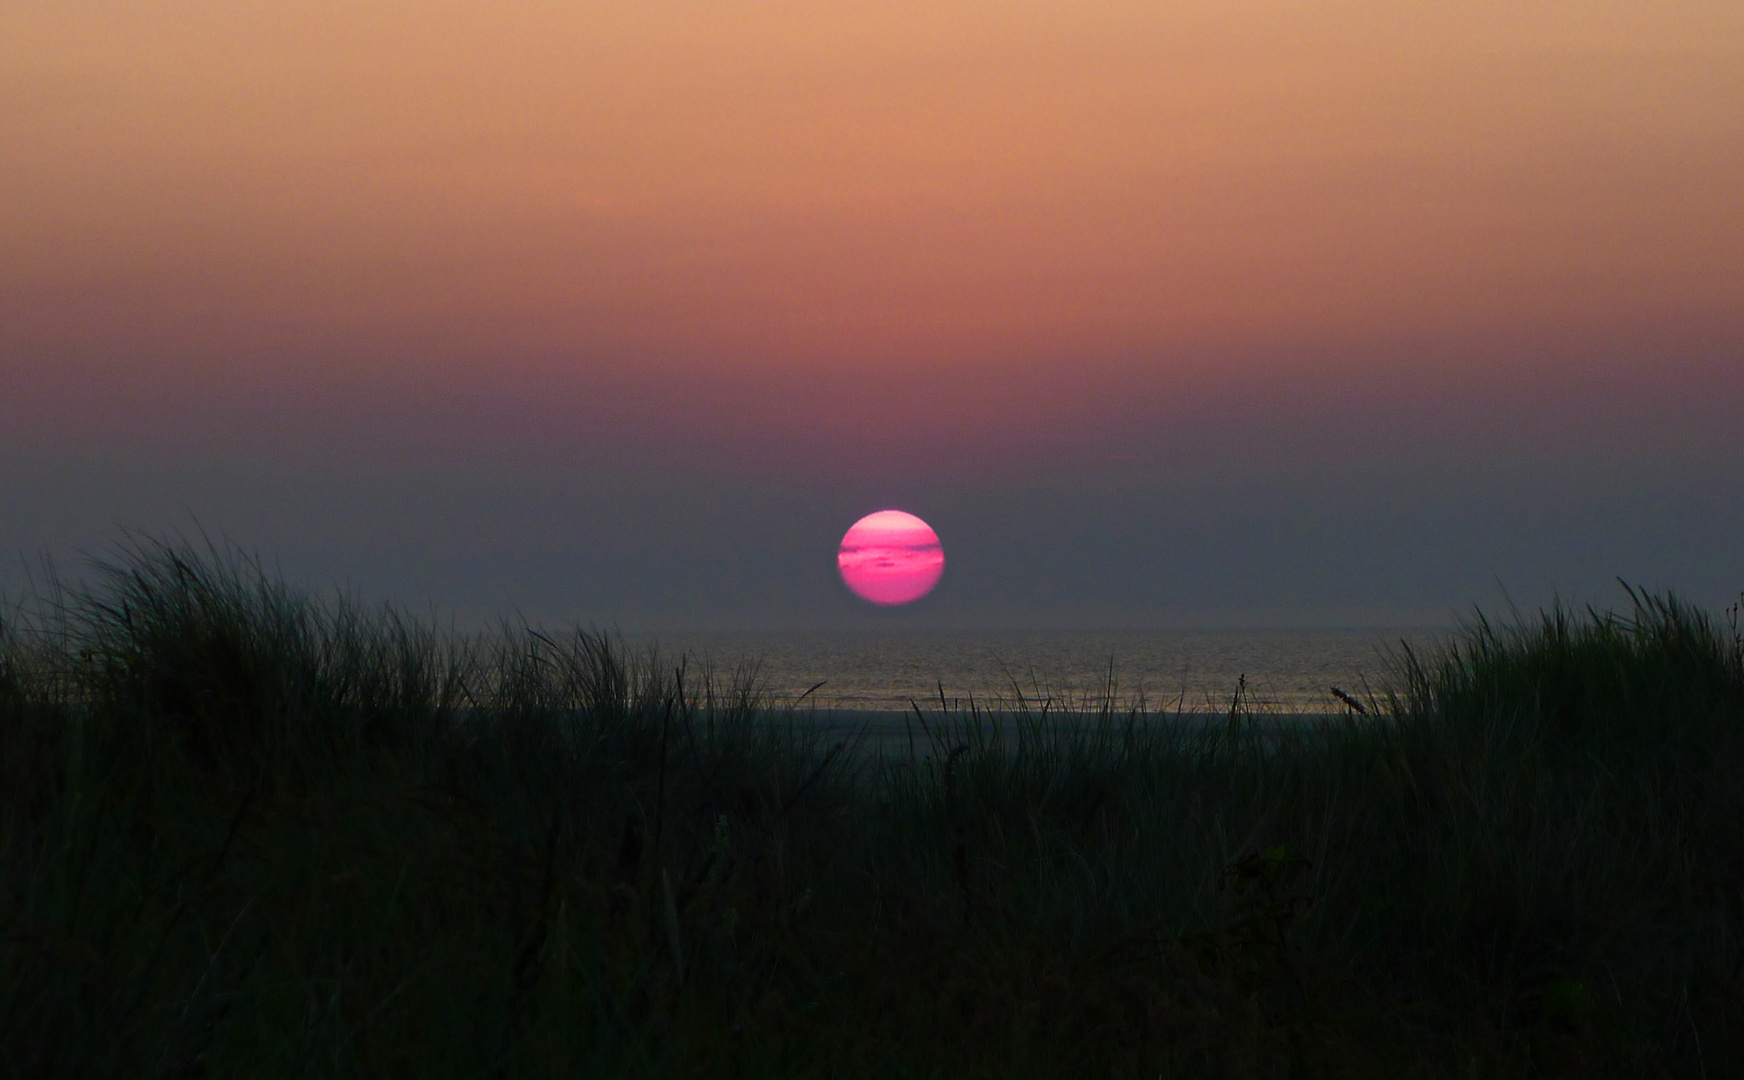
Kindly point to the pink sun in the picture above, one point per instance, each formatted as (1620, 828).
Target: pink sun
(891, 558)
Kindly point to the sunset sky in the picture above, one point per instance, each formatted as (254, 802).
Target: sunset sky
(1167, 314)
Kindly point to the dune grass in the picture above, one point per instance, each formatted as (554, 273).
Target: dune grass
(247, 832)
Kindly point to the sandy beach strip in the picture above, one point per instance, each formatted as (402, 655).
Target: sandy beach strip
(890, 731)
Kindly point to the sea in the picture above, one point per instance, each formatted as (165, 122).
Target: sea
(883, 670)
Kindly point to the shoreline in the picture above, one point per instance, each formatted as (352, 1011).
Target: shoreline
(879, 728)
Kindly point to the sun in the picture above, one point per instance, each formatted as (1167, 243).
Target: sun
(890, 558)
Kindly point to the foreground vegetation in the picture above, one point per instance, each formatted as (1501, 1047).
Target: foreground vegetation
(243, 832)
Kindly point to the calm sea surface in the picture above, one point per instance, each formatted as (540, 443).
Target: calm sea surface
(1286, 670)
